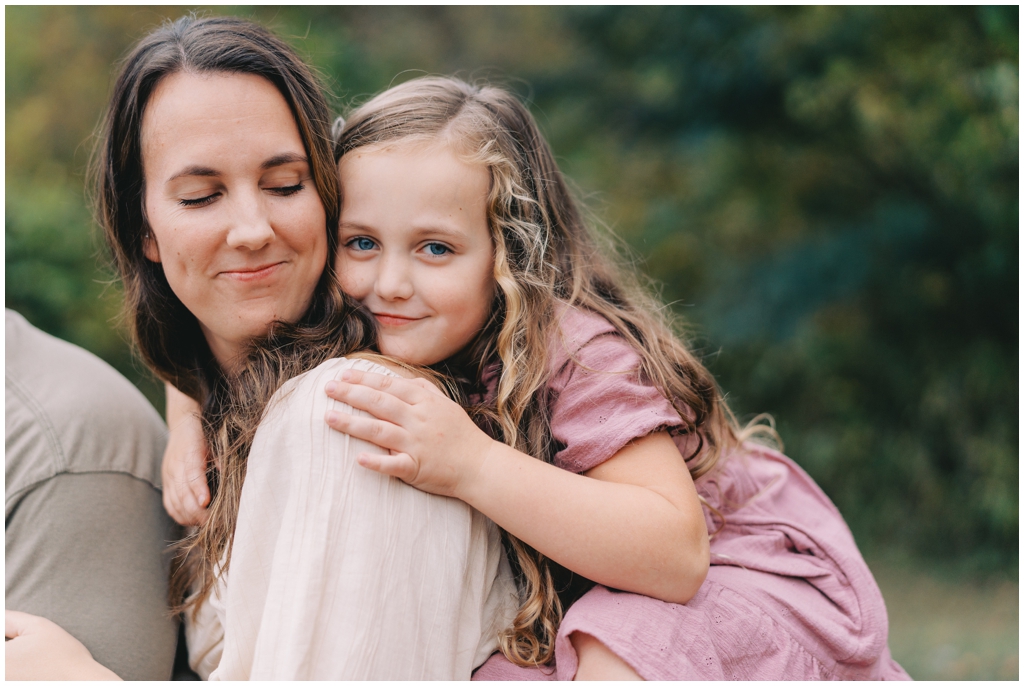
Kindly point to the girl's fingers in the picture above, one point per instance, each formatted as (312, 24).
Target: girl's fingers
(427, 386)
(198, 488)
(177, 508)
(199, 493)
(379, 403)
(189, 504)
(169, 504)
(404, 389)
(174, 505)
(182, 503)
(399, 465)
(384, 434)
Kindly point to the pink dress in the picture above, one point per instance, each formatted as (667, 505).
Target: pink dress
(788, 595)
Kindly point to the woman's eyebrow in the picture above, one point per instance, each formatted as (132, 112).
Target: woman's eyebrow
(195, 170)
(275, 161)
(284, 158)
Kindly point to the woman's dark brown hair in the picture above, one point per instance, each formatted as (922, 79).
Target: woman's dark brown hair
(168, 336)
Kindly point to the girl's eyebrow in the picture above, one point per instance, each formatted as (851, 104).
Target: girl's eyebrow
(420, 232)
(353, 225)
(440, 230)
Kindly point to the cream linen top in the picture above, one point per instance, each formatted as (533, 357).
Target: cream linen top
(338, 572)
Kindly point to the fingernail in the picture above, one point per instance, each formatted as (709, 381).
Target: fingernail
(331, 387)
(346, 375)
(332, 416)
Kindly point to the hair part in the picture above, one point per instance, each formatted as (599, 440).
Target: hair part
(545, 257)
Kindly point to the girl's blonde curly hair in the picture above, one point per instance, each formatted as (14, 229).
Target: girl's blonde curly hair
(544, 254)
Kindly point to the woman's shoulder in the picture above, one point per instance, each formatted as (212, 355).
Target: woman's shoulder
(356, 361)
(328, 370)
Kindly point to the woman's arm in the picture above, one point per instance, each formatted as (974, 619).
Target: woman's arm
(633, 523)
(186, 493)
(338, 572)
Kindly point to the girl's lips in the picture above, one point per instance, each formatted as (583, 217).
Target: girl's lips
(394, 319)
(248, 275)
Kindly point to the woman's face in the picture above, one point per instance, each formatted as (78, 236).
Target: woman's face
(235, 219)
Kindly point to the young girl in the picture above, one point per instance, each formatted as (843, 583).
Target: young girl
(459, 235)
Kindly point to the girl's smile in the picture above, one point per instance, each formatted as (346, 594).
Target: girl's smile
(416, 247)
(385, 319)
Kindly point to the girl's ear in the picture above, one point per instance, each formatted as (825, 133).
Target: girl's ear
(150, 248)
(336, 128)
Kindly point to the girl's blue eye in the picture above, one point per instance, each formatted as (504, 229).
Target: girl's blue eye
(437, 249)
(363, 244)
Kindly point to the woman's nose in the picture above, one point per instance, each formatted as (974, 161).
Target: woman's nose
(250, 225)
(393, 280)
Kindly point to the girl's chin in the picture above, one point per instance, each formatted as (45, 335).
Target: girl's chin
(409, 354)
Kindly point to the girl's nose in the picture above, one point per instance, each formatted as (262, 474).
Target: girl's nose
(250, 225)
(393, 280)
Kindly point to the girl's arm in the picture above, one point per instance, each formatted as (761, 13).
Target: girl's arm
(633, 522)
(186, 493)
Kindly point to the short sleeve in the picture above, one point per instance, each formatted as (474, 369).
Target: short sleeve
(599, 403)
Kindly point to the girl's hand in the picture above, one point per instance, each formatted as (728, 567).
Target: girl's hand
(434, 445)
(37, 649)
(186, 493)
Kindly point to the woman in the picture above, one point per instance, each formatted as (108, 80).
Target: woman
(218, 196)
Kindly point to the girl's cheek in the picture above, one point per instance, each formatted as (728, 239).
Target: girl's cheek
(339, 265)
(349, 276)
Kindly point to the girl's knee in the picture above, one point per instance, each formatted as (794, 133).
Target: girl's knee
(597, 662)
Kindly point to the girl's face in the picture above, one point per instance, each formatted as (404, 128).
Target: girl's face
(416, 248)
(235, 219)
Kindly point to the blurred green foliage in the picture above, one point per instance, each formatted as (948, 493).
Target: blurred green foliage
(828, 195)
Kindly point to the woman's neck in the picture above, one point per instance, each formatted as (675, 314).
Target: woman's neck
(230, 355)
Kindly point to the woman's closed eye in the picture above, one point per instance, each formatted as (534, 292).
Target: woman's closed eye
(287, 190)
(199, 202)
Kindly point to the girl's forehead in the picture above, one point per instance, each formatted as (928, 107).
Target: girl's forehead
(392, 187)
(420, 144)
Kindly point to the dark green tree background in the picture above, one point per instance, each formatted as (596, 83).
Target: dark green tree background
(828, 195)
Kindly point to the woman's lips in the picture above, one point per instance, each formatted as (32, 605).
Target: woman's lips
(254, 274)
(394, 319)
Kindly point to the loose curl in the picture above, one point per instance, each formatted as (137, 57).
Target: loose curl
(545, 257)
